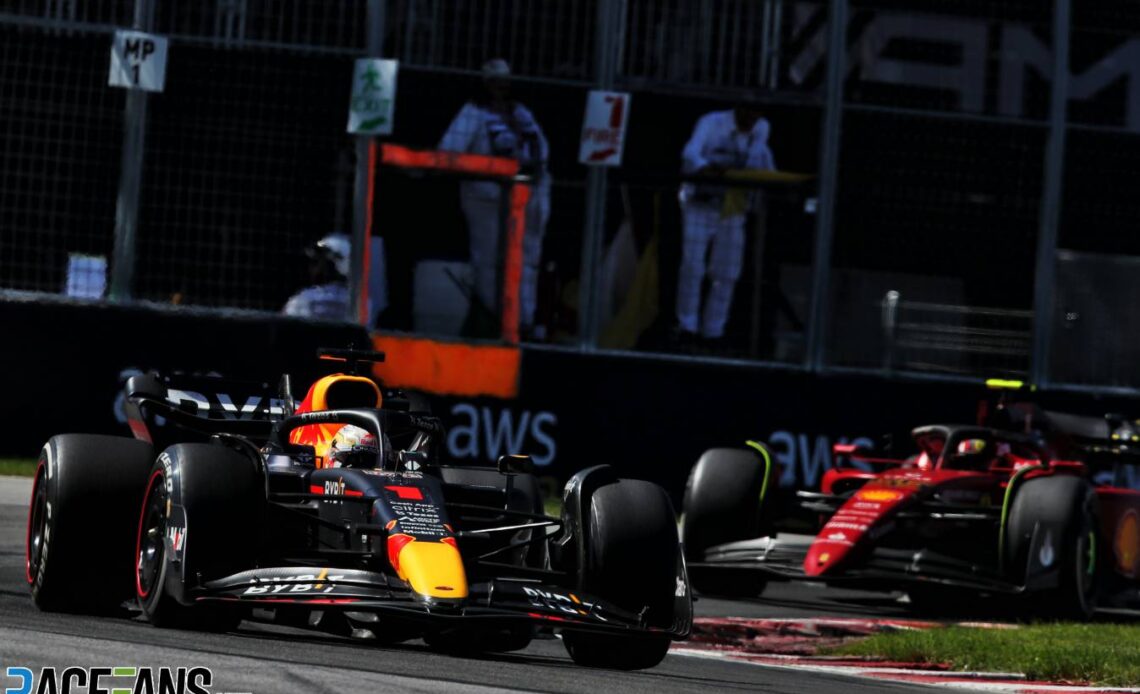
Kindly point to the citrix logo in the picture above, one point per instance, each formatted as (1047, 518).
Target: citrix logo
(111, 680)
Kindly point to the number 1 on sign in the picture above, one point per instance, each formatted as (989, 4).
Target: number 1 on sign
(617, 109)
(138, 61)
(603, 128)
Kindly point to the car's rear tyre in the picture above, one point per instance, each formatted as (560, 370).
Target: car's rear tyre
(632, 554)
(615, 652)
(85, 495)
(218, 491)
(1064, 509)
(723, 504)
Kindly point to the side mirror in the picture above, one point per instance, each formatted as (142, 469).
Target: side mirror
(516, 465)
(305, 456)
(146, 385)
(412, 461)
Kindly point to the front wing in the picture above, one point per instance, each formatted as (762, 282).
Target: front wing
(782, 557)
(493, 603)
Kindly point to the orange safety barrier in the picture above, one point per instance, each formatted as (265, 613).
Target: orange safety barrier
(513, 261)
(448, 368)
(464, 164)
(453, 162)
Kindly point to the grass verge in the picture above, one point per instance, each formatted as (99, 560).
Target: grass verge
(22, 467)
(552, 506)
(1107, 654)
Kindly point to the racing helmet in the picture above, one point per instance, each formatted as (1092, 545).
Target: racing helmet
(336, 248)
(971, 454)
(353, 447)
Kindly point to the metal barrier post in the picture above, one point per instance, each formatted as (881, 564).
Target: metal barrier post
(828, 186)
(365, 171)
(610, 19)
(890, 321)
(130, 176)
(1045, 272)
(759, 239)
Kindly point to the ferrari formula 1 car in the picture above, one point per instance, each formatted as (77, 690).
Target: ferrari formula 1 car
(1031, 510)
(338, 514)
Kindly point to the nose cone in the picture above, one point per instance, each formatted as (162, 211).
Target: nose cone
(847, 529)
(434, 569)
(826, 553)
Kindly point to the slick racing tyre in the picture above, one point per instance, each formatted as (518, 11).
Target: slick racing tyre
(1063, 511)
(200, 506)
(722, 504)
(632, 555)
(85, 498)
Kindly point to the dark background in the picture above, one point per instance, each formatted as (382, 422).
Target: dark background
(63, 368)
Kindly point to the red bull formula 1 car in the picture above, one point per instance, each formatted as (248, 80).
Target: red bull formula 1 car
(1030, 508)
(338, 514)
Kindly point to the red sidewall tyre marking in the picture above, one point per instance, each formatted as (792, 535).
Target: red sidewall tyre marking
(31, 517)
(155, 477)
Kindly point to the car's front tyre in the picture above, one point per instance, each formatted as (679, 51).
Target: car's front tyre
(198, 512)
(632, 555)
(1062, 512)
(723, 503)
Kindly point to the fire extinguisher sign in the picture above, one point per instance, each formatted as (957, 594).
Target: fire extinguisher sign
(603, 129)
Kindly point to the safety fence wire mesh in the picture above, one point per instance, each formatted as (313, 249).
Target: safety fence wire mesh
(247, 164)
(60, 148)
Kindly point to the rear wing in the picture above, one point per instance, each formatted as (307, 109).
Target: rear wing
(206, 404)
(1109, 437)
(209, 404)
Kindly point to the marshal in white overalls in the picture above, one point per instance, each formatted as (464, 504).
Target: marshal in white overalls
(480, 130)
(712, 216)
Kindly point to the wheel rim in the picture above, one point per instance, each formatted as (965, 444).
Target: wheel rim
(150, 550)
(1086, 563)
(37, 525)
(1090, 560)
(1086, 560)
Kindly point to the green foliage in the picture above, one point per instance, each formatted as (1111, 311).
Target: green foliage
(23, 467)
(1107, 654)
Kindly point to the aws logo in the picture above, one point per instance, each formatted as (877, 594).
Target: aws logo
(487, 433)
(803, 458)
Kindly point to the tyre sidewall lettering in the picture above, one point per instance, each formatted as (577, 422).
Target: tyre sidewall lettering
(48, 481)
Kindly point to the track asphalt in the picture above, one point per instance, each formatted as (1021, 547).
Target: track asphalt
(261, 658)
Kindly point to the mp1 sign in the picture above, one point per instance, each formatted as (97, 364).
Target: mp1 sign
(603, 131)
(138, 61)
